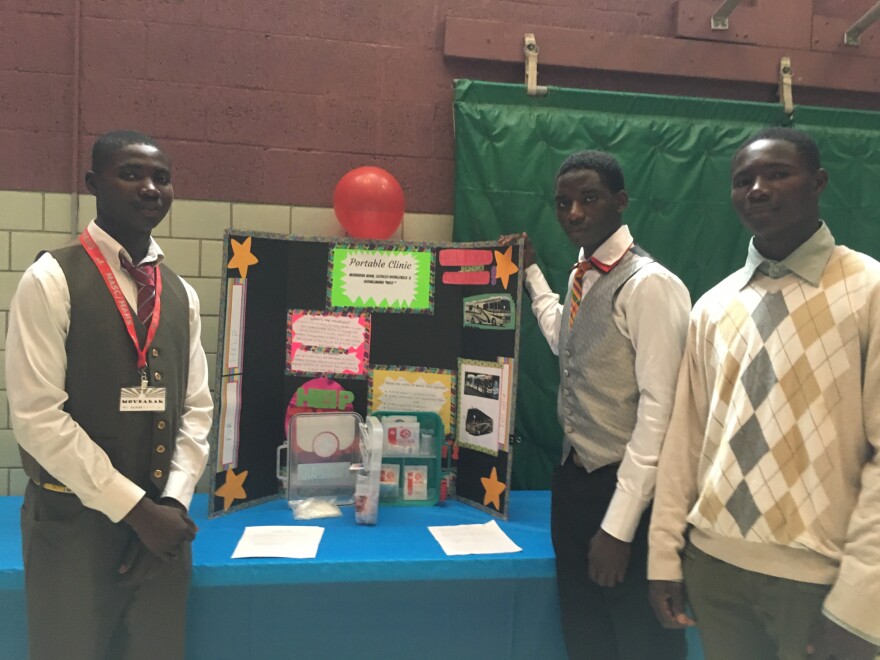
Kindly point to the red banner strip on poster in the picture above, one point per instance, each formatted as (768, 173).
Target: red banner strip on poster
(459, 257)
(466, 277)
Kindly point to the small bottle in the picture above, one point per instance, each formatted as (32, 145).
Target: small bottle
(426, 442)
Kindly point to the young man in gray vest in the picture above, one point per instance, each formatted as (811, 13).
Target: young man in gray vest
(619, 336)
(109, 402)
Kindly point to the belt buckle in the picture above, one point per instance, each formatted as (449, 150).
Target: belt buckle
(54, 488)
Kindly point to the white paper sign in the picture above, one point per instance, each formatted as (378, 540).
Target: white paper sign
(230, 408)
(291, 542)
(306, 360)
(236, 296)
(484, 539)
(401, 394)
(328, 331)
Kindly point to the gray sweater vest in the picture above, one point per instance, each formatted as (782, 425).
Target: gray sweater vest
(101, 359)
(598, 393)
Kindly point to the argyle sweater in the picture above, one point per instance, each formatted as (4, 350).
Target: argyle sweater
(772, 450)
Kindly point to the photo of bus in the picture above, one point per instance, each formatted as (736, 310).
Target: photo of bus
(484, 385)
(478, 422)
(489, 310)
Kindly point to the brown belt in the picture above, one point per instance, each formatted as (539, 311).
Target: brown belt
(55, 488)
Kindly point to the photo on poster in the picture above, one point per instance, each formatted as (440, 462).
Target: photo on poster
(480, 414)
(504, 400)
(387, 279)
(494, 311)
(413, 389)
(230, 417)
(236, 307)
(327, 343)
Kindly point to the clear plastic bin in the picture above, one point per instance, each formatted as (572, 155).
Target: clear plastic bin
(322, 449)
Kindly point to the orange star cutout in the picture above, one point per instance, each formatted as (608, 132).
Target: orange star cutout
(233, 488)
(504, 266)
(242, 257)
(494, 488)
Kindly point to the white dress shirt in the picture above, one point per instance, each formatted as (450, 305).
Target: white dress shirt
(651, 311)
(36, 367)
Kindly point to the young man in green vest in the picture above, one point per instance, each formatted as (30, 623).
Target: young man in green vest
(109, 402)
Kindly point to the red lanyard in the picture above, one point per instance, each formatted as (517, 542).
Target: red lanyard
(119, 298)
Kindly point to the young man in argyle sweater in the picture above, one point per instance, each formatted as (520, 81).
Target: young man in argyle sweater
(619, 335)
(767, 507)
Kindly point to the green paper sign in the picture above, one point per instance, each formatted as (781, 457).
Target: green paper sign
(381, 279)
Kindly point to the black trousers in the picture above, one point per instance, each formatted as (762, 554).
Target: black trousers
(602, 623)
(77, 608)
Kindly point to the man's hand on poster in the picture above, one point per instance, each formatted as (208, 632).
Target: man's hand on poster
(528, 248)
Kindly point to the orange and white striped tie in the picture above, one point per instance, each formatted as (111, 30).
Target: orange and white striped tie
(577, 288)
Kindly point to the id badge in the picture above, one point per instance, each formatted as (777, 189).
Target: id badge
(142, 399)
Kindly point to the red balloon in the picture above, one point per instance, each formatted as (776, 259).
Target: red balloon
(368, 202)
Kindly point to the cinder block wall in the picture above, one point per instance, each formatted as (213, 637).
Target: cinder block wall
(265, 105)
(190, 237)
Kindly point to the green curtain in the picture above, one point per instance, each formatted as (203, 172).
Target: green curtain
(675, 153)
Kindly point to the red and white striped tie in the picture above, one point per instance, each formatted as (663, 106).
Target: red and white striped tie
(145, 277)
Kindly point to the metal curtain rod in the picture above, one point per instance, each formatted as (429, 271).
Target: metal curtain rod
(719, 18)
(530, 53)
(851, 36)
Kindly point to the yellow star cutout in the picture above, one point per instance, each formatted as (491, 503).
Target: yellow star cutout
(504, 266)
(233, 488)
(242, 257)
(494, 488)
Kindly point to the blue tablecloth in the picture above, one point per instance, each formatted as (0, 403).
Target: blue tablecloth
(372, 592)
(398, 548)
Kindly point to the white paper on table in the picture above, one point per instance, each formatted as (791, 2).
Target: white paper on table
(291, 542)
(484, 539)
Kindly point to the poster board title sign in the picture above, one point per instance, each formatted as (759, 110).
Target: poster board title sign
(385, 279)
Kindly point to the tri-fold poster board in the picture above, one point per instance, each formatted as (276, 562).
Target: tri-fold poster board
(316, 325)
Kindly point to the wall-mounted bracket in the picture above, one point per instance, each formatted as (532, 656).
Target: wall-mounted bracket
(785, 95)
(851, 37)
(719, 18)
(530, 52)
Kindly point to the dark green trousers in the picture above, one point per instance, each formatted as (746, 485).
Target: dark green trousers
(741, 614)
(77, 609)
